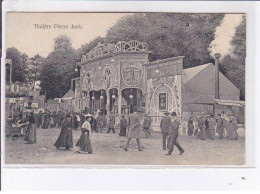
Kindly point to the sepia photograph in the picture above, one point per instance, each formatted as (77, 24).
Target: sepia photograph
(117, 88)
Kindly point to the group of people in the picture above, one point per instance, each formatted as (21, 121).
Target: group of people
(170, 131)
(208, 126)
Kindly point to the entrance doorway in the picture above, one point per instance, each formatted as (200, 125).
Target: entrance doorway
(133, 97)
(98, 101)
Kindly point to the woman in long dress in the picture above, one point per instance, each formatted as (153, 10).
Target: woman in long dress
(65, 137)
(84, 143)
(30, 133)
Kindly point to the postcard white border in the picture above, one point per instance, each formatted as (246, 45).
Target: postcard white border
(222, 176)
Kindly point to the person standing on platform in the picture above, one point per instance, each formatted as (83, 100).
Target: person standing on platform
(65, 137)
(147, 125)
(212, 125)
(84, 142)
(123, 125)
(190, 126)
(220, 127)
(134, 129)
(165, 126)
(111, 123)
(30, 134)
(173, 135)
(207, 126)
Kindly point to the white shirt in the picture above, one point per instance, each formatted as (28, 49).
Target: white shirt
(86, 125)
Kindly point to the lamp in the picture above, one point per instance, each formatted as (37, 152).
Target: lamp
(157, 71)
(76, 69)
(101, 97)
(93, 98)
(113, 96)
(131, 96)
(99, 67)
(112, 60)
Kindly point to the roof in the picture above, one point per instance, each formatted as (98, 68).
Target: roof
(230, 102)
(69, 94)
(189, 73)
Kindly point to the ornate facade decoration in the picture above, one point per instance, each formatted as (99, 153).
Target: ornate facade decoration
(121, 46)
(102, 77)
(169, 86)
(132, 73)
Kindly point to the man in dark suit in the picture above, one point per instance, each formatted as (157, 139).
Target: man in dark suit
(173, 134)
(165, 126)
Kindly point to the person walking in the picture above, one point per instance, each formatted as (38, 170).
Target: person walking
(84, 142)
(123, 125)
(201, 126)
(147, 125)
(65, 137)
(111, 123)
(30, 134)
(220, 127)
(134, 129)
(212, 125)
(190, 126)
(165, 126)
(173, 135)
(99, 123)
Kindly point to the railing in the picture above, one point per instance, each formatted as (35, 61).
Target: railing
(121, 46)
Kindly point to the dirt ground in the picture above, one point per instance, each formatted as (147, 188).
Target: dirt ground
(108, 151)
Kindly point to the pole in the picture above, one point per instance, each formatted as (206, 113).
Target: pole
(11, 67)
(217, 56)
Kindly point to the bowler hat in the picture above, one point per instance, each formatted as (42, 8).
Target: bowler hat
(174, 114)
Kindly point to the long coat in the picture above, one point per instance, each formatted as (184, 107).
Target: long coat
(174, 129)
(165, 124)
(134, 128)
(111, 121)
(147, 122)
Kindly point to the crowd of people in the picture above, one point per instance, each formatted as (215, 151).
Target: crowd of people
(208, 126)
(130, 125)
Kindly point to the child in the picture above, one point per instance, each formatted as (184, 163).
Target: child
(84, 141)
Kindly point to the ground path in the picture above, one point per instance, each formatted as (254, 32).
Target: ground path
(107, 150)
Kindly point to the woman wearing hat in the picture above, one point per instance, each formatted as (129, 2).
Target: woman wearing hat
(84, 141)
(65, 137)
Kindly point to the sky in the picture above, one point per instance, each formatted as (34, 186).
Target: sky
(23, 34)
(27, 38)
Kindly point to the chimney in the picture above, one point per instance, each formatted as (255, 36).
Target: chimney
(217, 56)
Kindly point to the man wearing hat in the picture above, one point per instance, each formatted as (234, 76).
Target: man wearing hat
(134, 129)
(111, 122)
(173, 134)
(165, 125)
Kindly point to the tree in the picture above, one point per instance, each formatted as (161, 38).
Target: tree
(19, 65)
(58, 68)
(170, 35)
(233, 66)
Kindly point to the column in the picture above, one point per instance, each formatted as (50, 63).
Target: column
(119, 89)
(108, 102)
(119, 101)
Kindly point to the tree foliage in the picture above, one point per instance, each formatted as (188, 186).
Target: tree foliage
(19, 65)
(58, 68)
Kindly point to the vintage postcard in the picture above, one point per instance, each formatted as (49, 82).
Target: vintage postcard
(125, 88)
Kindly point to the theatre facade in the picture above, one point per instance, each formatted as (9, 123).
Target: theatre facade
(118, 77)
